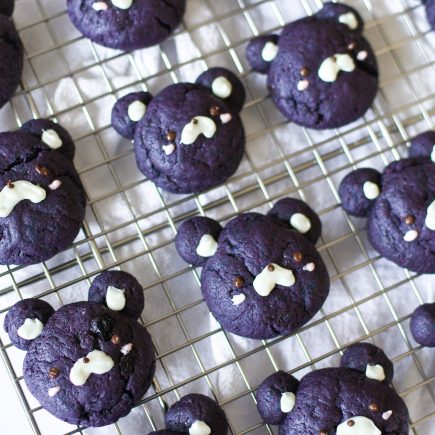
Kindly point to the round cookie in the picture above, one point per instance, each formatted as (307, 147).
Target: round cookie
(89, 365)
(25, 321)
(423, 325)
(11, 53)
(265, 279)
(191, 137)
(322, 73)
(400, 206)
(126, 24)
(430, 12)
(343, 401)
(195, 414)
(42, 203)
(118, 291)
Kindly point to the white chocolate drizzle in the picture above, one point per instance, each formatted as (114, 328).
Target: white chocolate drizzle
(18, 191)
(270, 276)
(96, 362)
(199, 125)
(358, 425)
(331, 66)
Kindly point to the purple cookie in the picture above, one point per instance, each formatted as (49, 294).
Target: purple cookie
(191, 137)
(25, 319)
(43, 201)
(88, 365)
(352, 399)
(118, 291)
(262, 277)
(322, 73)
(423, 325)
(400, 206)
(195, 414)
(11, 53)
(126, 24)
(430, 12)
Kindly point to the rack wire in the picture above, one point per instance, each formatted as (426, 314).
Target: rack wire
(131, 225)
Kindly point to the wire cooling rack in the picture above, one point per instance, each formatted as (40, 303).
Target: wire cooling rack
(131, 225)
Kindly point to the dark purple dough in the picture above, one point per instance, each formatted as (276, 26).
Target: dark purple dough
(143, 24)
(189, 236)
(327, 398)
(77, 334)
(291, 280)
(25, 309)
(11, 54)
(236, 100)
(121, 122)
(353, 198)
(254, 52)
(269, 396)
(430, 12)
(297, 83)
(207, 161)
(35, 232)
(423, 145)
(423, 325)
(134, 297)
(287, 207)
(357, 357)
(401, 221)
(196, 408)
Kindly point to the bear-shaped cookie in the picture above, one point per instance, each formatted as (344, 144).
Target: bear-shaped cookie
(321, 72)
(399, 205)
(353, 399)
(89, 362)
(11, 53)
(189, 137)
(126, 24)
(262, 275)
(195, 414)
(42, 201)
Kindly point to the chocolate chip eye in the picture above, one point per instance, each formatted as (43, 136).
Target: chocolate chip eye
(103, 326)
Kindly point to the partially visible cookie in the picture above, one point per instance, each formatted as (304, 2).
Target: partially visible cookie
(262, 275)
(190, 137)
(85, 364)
(400, 206)
(430, 12)
(126, 24)
(322, 72)
(423, 325)
(11, 53)
(353, 399)
(42, 201)
(195, 414)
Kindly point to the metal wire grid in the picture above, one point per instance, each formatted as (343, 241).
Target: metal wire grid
(147, 234)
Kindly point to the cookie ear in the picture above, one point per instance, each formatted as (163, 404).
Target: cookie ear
(299, 215)
(423, 145)
(225, 85)
(197, 415)
(128, 111)
(7, 7)
(52, 135)
(369, 359)
(197, 239)
(423, 325)
(261, 52)
(343, 14)
(25, 320)
(118, 291)
(276, 397)
(359, 190)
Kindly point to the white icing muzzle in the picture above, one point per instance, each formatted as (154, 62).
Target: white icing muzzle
(96, 362)
(273, 275)
(358, 426)
(115, 298)
(18, 191)
(330, 67)
(30, 329)
(199, 125)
